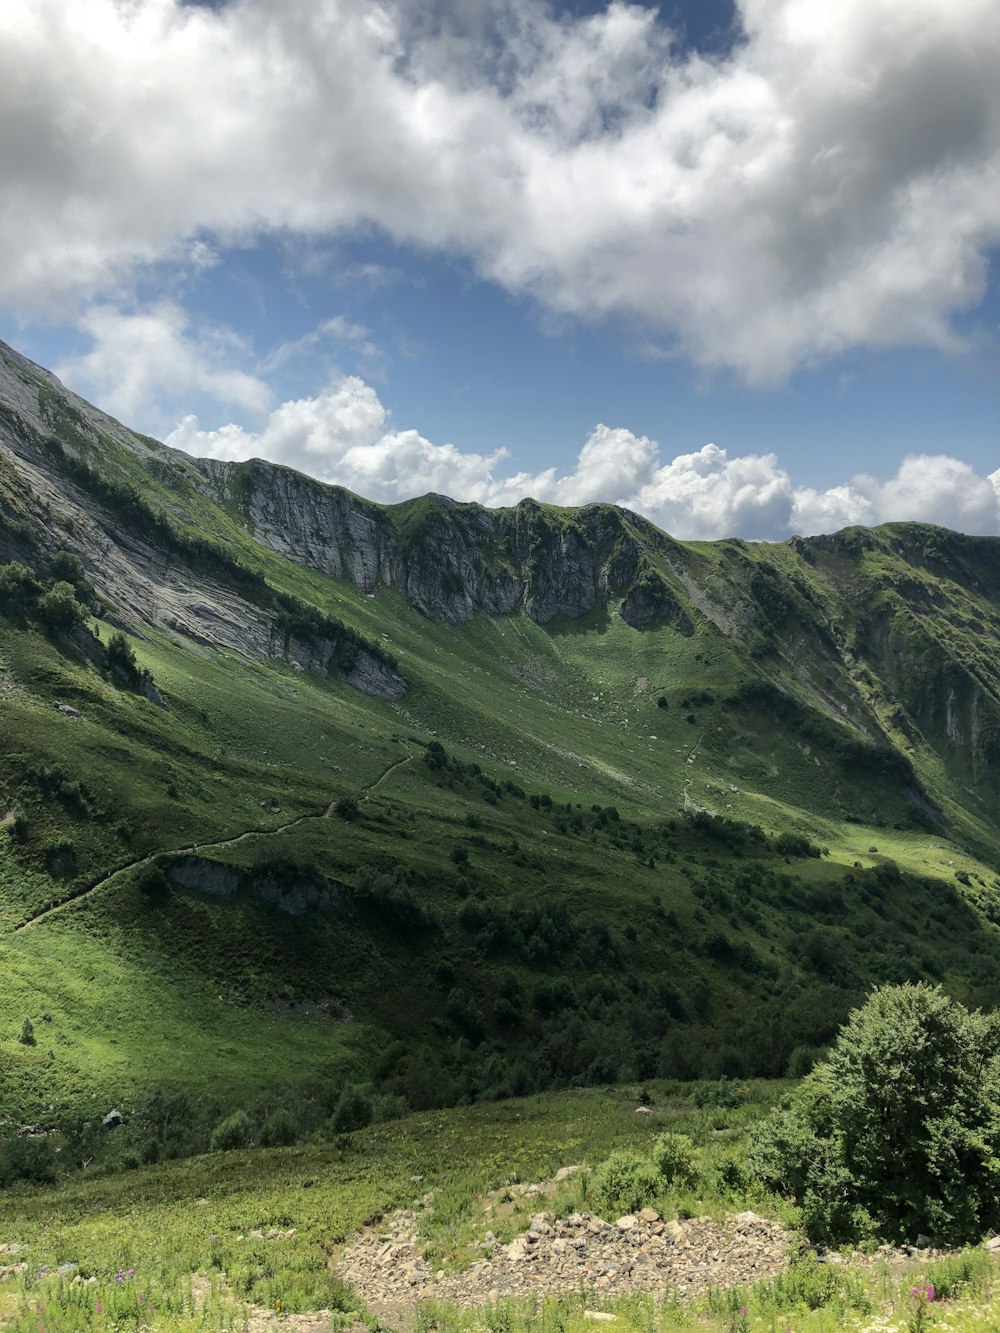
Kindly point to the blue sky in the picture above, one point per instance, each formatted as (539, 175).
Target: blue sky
(732, 266)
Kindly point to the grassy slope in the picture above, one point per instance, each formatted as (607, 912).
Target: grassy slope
(570, 709)
(173, 1247)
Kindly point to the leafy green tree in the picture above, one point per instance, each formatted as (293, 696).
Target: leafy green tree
(279, 1129)
(236, 1131)
(59, 607)
(897, 1132)
(353, 1111)
(18, 588)
(27, 1037)
(122, 655)
(68, 567)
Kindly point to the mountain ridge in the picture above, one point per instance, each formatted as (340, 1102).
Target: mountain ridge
(534, 794)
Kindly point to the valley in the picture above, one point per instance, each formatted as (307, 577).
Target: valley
(331, 827)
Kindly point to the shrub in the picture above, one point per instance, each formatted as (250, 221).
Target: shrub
(27, 1037)
(730, 1175)
(29, 1159)
(347, 808)
(626, 1182)
(60, 857)
(795, 844)
(236, 1131)
(279, 1129)
(59, 607)
(153, 883)
(69, 568)
(724, 1094)
(18, 588)
(121, 654)
(897, 1132)
(676, 1159)
(353, 1111)
(813, 1285)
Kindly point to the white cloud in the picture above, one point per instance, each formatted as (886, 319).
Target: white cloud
(345, 436)
(833, 182)
(341, 436)
(138, 357)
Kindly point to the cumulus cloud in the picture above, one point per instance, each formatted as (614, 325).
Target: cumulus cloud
(832, 182)
(138, 357)
(345, 436)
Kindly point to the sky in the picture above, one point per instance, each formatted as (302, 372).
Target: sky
(735, 265)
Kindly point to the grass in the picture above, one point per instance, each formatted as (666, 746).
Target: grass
(196, 1244)
(184, 915)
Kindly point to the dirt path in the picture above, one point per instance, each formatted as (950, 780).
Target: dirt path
(44, 913)
(382, 776)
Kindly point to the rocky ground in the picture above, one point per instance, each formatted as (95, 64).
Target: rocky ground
(579, 1252)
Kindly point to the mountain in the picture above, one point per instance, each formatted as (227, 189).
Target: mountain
(451, 802)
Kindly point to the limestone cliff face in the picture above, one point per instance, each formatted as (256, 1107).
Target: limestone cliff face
(452, 560)
(321, 527)
(134, 511)
(908, 611)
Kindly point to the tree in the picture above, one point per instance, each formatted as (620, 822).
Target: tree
(18, 588)
(122, 655)
(27, 1037)
(897, 1132)
(236, 1131)
(59, 607)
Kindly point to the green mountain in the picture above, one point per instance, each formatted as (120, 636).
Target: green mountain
(305, 792)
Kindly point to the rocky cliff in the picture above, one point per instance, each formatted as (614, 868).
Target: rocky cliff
(891, 634)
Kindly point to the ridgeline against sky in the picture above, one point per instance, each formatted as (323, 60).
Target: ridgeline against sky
(730, 267)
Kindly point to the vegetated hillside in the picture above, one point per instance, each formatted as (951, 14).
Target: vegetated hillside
(303, 791)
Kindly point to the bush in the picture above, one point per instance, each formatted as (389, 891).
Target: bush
(676, 1159)
(121, 654)
(347, 808)
(626, 1182)
(28, 1159)
(27, 1037)
(353, 1111)
(279, 1129)
(18, 588)
(724, 1094)
(59, 607)
(812, 1285)
(966, 1274)
(236, 1131)
(897, 1132)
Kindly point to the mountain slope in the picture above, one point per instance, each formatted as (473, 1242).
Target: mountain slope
(458, 801)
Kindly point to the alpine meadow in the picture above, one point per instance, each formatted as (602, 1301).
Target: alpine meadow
(365, 857)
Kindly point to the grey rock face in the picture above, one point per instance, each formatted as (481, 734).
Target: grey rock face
(321, 527)
(652, 602)
(451, 560)
(293, 896)
(127, 563)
